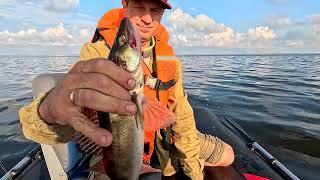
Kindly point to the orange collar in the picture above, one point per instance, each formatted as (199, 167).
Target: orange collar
(112, 19)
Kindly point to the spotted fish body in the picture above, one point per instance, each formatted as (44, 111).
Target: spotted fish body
(128, 131)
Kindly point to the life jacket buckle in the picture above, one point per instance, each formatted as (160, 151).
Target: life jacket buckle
(157, 84)
(152, 83)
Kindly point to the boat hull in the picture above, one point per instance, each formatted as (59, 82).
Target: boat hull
(246, 160)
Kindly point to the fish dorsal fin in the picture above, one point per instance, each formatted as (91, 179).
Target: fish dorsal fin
(156, 116)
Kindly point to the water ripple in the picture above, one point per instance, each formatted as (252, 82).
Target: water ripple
(275, 98)
(280, 93)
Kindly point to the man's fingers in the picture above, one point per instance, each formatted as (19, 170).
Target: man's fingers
(100, 102)
(107, 68)
(100, 136)
(97, 82)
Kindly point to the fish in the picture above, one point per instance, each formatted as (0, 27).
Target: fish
(124, 158)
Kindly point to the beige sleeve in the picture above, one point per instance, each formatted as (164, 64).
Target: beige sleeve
(185, 136)
(94, 50)
(36, 129)
(211, 149)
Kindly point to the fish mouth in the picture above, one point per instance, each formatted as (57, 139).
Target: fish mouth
(133, 43)
(127, 50)
(133, 35)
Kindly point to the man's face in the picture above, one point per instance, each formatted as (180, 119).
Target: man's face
(145, 15)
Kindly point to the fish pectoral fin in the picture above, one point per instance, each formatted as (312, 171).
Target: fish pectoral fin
(148, 169)
(156, 116)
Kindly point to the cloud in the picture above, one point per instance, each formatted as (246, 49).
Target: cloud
(49, 26)
(18, 15)
(275, 35)
(306, 32)
(2, 17)
(278, 21)
(55, 40)
(261, 33)
(203, 31)
(46, 25)
(316, 30)
(62, 5)
(15, 13)
(52, 36)
(200, 30)
(314, 18)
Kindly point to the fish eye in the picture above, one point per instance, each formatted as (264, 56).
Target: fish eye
(122, 40)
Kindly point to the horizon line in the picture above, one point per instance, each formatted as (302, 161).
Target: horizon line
(222, 54)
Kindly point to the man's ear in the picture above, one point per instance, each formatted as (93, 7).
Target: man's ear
(124, 3)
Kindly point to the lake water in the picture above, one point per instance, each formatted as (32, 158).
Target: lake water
(275, 98)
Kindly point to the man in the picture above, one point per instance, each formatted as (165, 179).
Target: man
(100, 85)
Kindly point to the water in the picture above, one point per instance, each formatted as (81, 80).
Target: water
(275, 98)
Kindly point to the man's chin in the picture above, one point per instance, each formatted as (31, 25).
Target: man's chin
(145, 33)
(145, 36)
(145, 39)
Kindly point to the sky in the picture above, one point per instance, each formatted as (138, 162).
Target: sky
(61, 27)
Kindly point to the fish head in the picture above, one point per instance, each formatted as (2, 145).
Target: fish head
(126, 49)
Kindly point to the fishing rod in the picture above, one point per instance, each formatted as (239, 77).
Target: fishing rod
(264, 153)
(18, 168)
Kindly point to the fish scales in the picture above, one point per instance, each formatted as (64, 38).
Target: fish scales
(127, 131)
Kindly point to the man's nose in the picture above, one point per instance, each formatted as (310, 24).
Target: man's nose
(147, 18)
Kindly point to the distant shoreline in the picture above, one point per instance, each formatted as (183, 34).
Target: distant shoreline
(289, 54)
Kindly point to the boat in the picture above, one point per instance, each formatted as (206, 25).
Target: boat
(66, 161)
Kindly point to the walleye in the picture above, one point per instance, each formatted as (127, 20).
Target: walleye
(124, 158)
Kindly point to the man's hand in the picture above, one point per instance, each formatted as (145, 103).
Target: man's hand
(97, 84)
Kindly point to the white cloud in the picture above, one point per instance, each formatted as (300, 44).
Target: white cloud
(50, 26)
(55, 40)
(39, 24)
(52, 36)
(261, 33)
(316, 30)
(278, 35)
(314, 18)
(294, 44)
(200, 30)
(279, 21)
(17, 14)
(203, 31)
(62, 5)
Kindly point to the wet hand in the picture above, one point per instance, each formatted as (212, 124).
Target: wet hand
(97, 84)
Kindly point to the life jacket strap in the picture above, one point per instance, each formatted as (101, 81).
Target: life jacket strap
(158, 85)
(97, 37)
(167, 142)
(147, 148)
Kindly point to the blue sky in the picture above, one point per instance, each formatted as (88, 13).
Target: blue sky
(60, 27)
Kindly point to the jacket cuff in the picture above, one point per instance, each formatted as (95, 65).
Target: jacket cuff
(39, 131)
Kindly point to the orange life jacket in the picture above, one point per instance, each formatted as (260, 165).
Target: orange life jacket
(164, 65)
